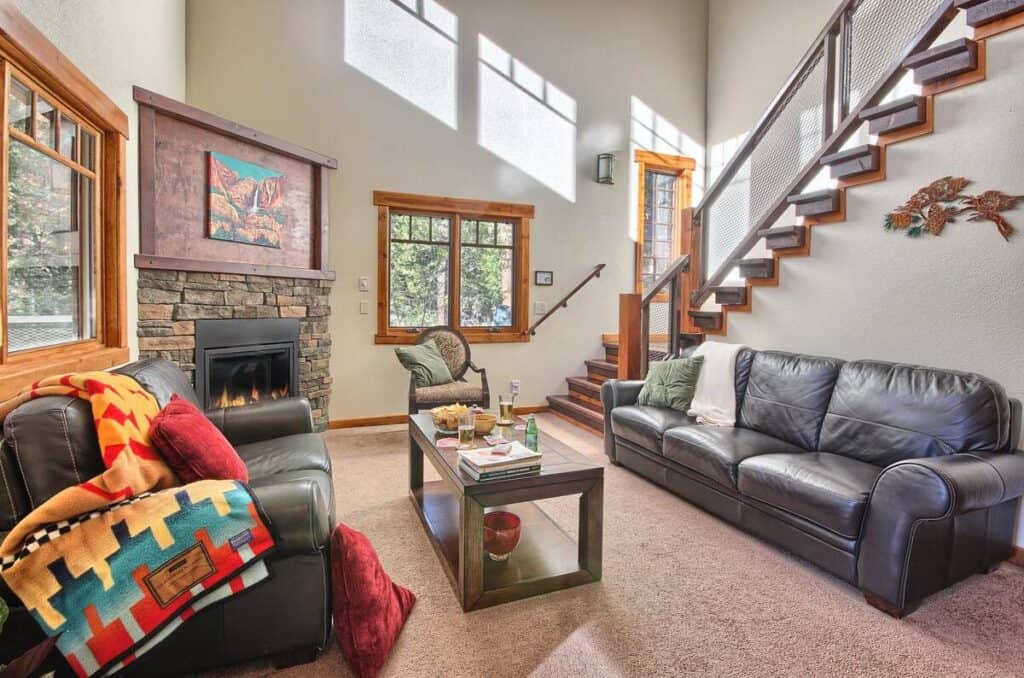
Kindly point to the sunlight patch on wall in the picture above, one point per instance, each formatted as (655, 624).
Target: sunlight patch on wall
(651, 131)
(408, 46)
(525, 120)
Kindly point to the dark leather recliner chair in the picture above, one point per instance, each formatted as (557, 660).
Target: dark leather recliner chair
(902, 480)
(50, 443)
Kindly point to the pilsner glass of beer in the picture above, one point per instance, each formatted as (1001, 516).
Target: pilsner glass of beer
(467, 430)
(505, 409)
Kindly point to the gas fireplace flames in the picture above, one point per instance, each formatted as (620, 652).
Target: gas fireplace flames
(227, 399)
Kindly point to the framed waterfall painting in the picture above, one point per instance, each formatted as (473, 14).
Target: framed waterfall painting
(245, 202)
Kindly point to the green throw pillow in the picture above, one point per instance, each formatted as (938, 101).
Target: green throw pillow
(671, 383)
(426, 364)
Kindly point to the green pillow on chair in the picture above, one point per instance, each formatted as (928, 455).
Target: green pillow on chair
(426, 364)
(671, 383)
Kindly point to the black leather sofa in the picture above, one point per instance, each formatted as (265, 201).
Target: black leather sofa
(898, 479)
(50, 443)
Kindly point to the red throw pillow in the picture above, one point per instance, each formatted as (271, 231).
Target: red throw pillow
(369, 609)
(192, 446)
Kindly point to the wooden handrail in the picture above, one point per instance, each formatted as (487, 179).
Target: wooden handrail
(594, 273)
(680, 265)
(940, 19)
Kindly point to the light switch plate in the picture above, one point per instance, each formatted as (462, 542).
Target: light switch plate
(364, 284)
(540, 307)
(364, 308)
(514, 387)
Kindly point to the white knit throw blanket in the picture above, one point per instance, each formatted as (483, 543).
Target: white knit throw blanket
(714, 401)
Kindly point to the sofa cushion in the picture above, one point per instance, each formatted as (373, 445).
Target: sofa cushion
(671, 383)
(829, 490)
(300, 452)
(882, 412)
(161, 378)
(787, 396)
(644, 426)
(192, 446)
(715, 452)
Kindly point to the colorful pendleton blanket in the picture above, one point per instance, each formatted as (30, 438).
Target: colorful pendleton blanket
(116, 581)
(114, 564)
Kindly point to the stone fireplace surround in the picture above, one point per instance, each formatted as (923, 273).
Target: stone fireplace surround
(171, 301)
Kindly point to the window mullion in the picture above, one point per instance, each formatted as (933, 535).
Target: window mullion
(5, 81)
(455, 273)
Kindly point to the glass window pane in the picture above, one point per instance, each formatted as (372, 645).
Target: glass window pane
(486, 287)
(419, 285)
(19, 106)
(421, 228)
(441, 229)
(468, 231)
(662, 232)
(87, 153)
(664, 215)
(46, 122)
(400, 226)
(486, 233)
(50, 226)
(661, 250)
(68, 138)
(666, 181)
(505, 233)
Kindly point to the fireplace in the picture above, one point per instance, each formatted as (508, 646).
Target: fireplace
(239, 361)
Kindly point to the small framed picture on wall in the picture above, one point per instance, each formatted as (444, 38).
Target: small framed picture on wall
(544, 278)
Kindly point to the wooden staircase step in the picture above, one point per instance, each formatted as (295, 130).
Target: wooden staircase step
(582, 415)
(611, 352)
(854, 161)
(896, 115)
(784, 237)
(707, 320)
(814, 203)
(601, 370)
(584, 386)
(757, 269)
(981, 12)
(730, 295)
(945, 61)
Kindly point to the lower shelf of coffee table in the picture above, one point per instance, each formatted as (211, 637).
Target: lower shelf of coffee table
(545, 552)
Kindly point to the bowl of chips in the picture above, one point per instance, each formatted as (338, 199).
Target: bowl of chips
(446, 417)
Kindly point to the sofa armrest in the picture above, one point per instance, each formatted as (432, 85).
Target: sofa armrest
(263, 421)
(297, 512)
(908, 496)
(616, 393)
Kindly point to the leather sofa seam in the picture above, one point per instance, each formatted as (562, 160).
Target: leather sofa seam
(946, 446)
(21, 467)
(67, 440)
(7, 488)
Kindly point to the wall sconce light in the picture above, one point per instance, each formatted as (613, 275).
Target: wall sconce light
(606, 168)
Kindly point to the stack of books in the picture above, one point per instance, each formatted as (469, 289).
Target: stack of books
(499, 462)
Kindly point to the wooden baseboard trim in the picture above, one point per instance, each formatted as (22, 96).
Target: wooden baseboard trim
(1017, 557)
(390, 419)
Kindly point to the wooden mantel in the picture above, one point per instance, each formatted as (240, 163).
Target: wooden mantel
(172, 209)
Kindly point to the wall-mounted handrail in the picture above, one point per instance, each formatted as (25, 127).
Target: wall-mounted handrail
(564, 303)
(838, 25)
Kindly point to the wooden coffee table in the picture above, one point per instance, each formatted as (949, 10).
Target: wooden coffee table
(452, 510)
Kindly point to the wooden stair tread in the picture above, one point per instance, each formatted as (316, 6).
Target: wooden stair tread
(589, 418)
(585, 384)
(761, 268)
(981, 12)
(784, 237)
(896, 115)
(815, 203)
(943, 61)
(853, 161)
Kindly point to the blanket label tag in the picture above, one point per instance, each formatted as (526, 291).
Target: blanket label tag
(241, 539)
(179, 574)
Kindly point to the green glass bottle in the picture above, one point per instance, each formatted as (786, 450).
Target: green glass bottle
(531, 434)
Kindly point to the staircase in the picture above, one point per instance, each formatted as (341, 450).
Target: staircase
(936, 69)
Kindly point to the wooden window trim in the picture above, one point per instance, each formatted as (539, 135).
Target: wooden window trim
(682, 167)
(456, 209)
(26, 51)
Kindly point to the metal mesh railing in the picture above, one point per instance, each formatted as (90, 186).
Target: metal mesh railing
(877, 30)
(780, 151)
(854, 62)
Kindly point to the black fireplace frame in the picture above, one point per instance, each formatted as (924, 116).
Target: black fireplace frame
(241, 336)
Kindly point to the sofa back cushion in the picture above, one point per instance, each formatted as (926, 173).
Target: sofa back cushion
(883, 412)
(53, 445)
(787, 395)
(162, 378)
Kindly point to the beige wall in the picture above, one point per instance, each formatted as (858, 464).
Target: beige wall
(118, 44)
(281, 68)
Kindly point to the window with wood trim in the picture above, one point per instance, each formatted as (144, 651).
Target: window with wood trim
(447, 261)
(62, 214)
(664, 186)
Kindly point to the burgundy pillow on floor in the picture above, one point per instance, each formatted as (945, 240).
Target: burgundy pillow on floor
(192, 446)
(369, 609)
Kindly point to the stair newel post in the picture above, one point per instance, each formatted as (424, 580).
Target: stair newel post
(674, 295)
(631, 336)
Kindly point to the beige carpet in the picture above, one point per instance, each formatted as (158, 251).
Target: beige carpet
(682, 594)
